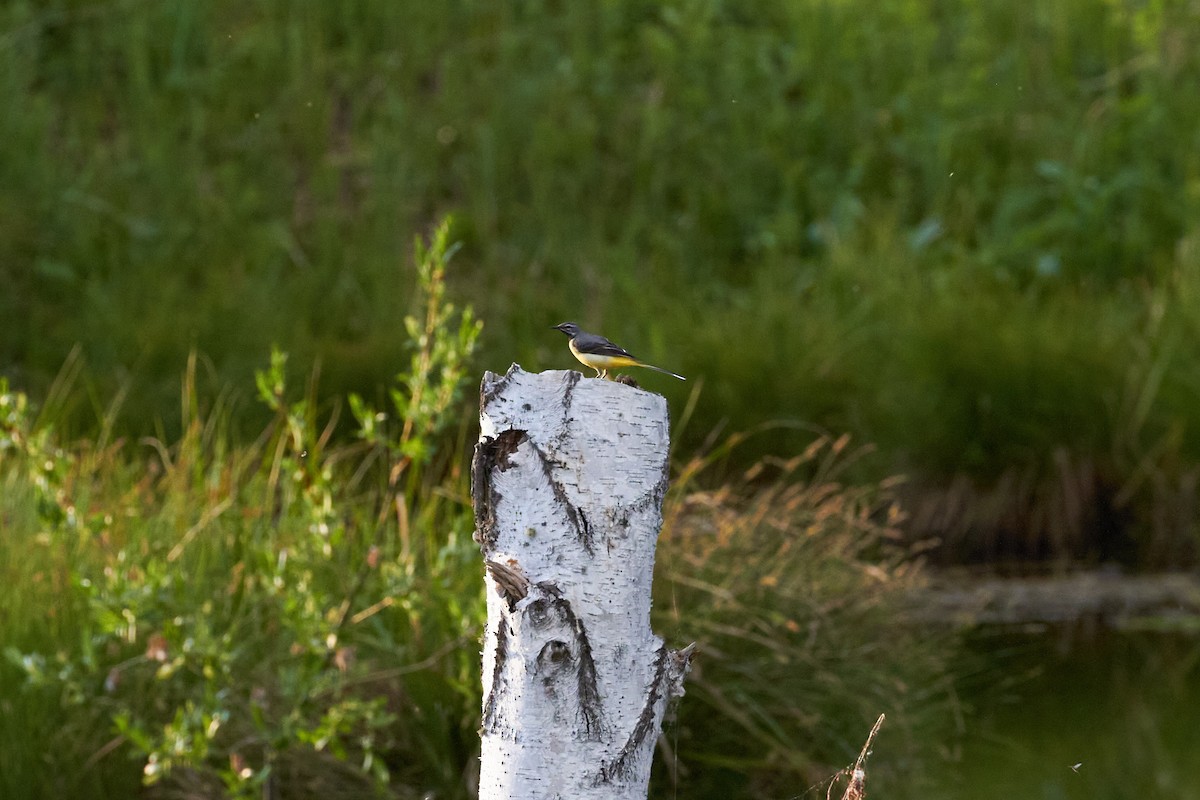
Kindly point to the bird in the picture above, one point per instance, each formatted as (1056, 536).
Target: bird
(600, 354)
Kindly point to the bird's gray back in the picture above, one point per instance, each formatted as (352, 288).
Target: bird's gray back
(593, 343)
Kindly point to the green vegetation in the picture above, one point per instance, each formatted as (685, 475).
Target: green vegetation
(207, 615)
(299, 617)
(964, 231)
(793, 584)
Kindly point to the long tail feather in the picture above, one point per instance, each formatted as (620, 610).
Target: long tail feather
(663, 371)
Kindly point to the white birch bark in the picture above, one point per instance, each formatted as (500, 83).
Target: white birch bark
(568, 481)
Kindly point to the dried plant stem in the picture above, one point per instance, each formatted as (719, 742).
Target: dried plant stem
(856, 789)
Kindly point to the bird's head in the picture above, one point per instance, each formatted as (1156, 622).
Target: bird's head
(569, 328)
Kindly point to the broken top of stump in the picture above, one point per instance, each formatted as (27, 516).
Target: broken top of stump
(575, 416)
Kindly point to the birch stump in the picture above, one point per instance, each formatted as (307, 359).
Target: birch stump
(568, 480)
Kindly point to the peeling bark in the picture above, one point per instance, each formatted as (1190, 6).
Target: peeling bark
(568, 481)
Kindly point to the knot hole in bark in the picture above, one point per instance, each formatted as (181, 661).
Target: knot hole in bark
(554, 658)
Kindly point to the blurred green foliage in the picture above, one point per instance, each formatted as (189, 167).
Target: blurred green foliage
(965, 231)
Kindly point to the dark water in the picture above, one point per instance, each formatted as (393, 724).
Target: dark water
(1079, 711)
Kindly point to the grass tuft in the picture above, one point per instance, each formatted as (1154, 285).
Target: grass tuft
(793, 585)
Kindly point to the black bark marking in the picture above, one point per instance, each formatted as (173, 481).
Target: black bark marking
(581, 526)
(484, 495)
(554, 669)
(490, 723)
(590, 707)
(491, 453)
(493, 385)
(554, 654)
(506, 443)
(619, 768)
(572, 380)
(553, 659)
(494, 453)
(589, 685)
(583, 531)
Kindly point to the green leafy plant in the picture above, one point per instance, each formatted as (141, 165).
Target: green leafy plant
(234, 607)
(443, 340)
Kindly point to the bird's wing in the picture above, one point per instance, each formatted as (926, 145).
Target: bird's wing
(599, 346)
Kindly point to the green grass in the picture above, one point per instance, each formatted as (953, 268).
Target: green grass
(203, 614)
(207, 618)
(196, 609)
(300, 614)
(964, 231)
(793, 583)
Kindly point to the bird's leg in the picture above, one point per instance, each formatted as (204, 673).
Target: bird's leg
(603, 374)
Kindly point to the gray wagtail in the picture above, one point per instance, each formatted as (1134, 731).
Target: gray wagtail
(602, 355)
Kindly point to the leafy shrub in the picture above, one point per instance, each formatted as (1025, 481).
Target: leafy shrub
(235, 607)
